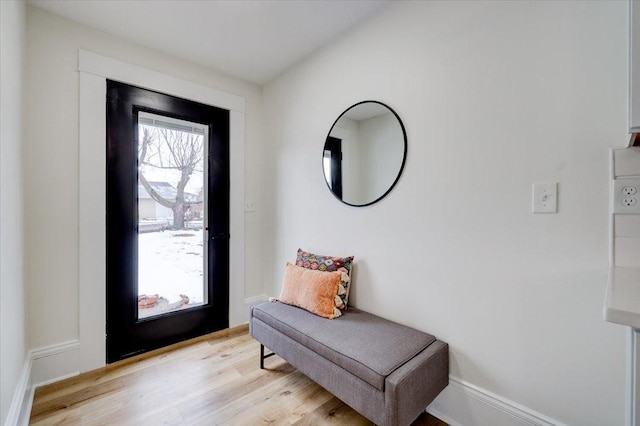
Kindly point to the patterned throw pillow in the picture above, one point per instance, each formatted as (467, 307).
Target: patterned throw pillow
(329, 263)
(315, 291)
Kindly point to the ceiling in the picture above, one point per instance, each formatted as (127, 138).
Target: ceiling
(255, 40)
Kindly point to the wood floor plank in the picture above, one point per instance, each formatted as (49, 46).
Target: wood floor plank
(76, 399)
(213, 380)
(246, 365)
(149, 403)
(204, 404)
(315, 398)
(166, 417)
(260, 406)
(333, 412)
(170, 354)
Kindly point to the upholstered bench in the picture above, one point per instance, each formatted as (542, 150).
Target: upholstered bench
(386, 371)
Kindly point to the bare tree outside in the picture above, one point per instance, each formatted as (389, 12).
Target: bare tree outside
(171, 214)
(180, 152)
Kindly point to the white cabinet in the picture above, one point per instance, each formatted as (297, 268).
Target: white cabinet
(634, 96)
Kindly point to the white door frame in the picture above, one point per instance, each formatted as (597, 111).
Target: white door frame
(94, 70)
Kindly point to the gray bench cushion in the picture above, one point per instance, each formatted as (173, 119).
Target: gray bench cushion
(368, 346)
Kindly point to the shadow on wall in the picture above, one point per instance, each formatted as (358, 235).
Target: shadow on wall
(355, 282)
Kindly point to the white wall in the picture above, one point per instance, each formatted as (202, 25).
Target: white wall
(495, 96)
(13, 331)
(51, 164)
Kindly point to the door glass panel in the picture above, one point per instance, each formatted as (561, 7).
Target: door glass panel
(172, 215)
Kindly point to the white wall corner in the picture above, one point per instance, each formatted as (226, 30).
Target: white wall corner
(462, 403)
(20, 408)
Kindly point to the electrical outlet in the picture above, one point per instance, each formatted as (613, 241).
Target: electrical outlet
(625, 196)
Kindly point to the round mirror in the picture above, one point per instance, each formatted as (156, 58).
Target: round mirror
(364, 153)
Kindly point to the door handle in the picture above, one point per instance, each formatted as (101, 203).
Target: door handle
(221, 236)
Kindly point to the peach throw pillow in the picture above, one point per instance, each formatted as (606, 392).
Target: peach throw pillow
(312, 290)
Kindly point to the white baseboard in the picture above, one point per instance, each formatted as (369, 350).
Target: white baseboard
(20, 399)
(464, 404)
(41, 367)
(25, 412)
(252, 301)
(460, 404)
(53, 363)
(255, 299)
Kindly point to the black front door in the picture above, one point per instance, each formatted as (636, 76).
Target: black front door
(167, 220)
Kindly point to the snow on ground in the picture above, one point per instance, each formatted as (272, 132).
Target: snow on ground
(170, 263)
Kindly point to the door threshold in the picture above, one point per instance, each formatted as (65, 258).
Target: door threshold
(232, 331)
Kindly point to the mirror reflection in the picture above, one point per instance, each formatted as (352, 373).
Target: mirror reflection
(364, 153)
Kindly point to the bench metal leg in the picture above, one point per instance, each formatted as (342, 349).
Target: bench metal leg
(263, 356)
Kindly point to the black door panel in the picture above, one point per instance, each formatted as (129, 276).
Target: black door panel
(126, 334)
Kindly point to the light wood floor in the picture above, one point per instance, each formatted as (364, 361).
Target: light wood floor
(214, 380)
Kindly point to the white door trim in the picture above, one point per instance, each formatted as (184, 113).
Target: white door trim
(94, 70)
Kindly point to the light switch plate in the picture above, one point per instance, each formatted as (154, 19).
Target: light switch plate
(545, 198)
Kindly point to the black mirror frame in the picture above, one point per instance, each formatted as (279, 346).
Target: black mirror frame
(404, 156)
